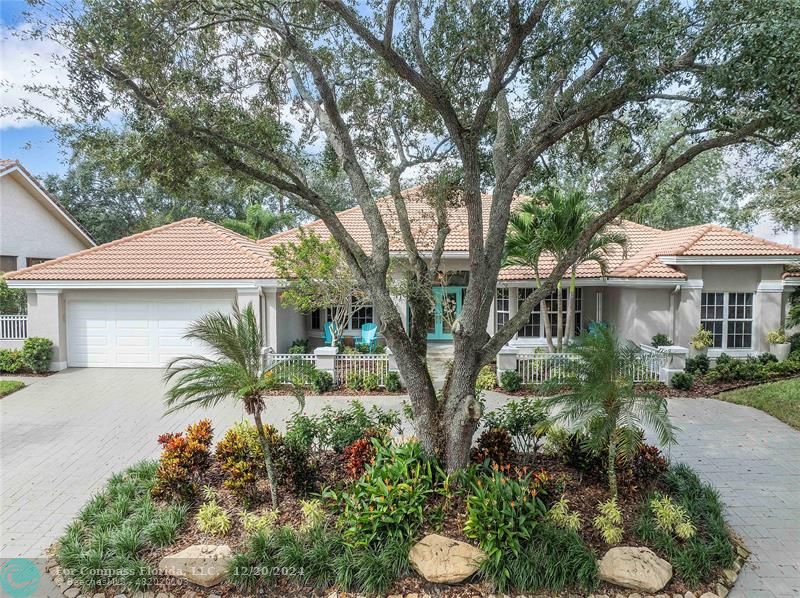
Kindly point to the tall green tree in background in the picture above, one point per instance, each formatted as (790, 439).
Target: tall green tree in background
(488, 91)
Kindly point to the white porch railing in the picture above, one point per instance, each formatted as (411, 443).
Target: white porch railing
(287, 367)
(538, 368)
(13, 327)
(361, 364)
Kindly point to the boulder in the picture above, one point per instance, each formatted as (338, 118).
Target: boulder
(444, 560)
(636, 568)
(203, 564)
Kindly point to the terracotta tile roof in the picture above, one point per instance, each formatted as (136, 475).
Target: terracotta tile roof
(6, 164)
(191, 249)
(195, 249)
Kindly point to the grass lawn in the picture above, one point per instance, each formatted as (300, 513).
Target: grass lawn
(779, 399)
(9, 386)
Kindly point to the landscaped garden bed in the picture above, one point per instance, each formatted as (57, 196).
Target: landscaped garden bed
(354, 498)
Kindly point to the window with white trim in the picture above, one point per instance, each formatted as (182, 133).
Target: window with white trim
(729, 318)
(316, 319)
(502, 308)
(532, 328)
(361, 316)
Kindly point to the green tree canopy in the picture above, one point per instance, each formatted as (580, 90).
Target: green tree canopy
(488, 90)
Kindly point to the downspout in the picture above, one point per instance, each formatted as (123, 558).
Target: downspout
(673, 307)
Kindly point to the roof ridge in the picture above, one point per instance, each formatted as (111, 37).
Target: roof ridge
(745, 235)
(284, 233)
(234, 238)
(90, 250)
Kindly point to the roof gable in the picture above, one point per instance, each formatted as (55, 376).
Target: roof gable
(50, 202)
(191, 249)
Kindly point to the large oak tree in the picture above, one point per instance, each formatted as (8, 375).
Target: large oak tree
(485, 92)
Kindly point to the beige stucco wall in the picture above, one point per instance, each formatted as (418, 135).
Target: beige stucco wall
(291, 326)
(28, 228)
(638, 313)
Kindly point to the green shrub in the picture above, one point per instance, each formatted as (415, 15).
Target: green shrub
(682, 381)
(510, 381)
(241, 458)
(388, 502)
(321, 381)
(13, 302)
(794, 341)
(671, 518)
(36, 354)
(304, 433)
(213, 519)
(393, 383)
(253, 523)
(767, 358)
(298, 347)
(321, 558)
(728, 369)
(487, 378)
(527, 420)
(354, 381)
(561, 516)
(298, 469)
(11, 361)
(660, 340)
(551, 560)
(697, 560)
(313, 514)
(340, 427)
(574, 450)
(493, 444)
(370, 382)
(698, 364)
(105, 545)
(609, 521)
(501, 514)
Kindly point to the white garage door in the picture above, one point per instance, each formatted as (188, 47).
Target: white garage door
(133, 333)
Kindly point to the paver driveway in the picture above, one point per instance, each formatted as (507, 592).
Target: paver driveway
(62, 437)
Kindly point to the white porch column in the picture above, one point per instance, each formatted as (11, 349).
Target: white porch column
(688, 317)
(506, 360)
(767, 312)
(271, 315)
(47, 318)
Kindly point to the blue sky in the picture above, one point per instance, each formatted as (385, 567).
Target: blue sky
(31, 144)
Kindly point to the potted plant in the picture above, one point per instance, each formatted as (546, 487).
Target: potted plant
(702, 340)
(778, 345)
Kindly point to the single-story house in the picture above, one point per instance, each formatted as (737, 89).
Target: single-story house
(128, 302)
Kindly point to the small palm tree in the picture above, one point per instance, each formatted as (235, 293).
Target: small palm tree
(259, 223)
(553, 224)
(235, 374)
(604, 403)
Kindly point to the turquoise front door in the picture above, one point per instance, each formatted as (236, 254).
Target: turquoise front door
(447, 306)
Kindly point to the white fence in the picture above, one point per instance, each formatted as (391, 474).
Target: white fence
(538, 368)
(13, 327)
(358, 364)
(287, 367)
(291, 367)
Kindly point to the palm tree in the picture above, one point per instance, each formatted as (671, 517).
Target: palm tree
(528, 237)
(604, 403)
(259, 223)
(234, 375)
(553, 225)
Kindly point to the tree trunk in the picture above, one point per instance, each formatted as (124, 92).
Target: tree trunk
(545, 319)
(612, 465)
(262, 437)
(559, 319)
(461, 410)
(570, 331)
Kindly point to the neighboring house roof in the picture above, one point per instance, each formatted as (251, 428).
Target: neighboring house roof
(10, 167)
(196, 249)
(191, 249)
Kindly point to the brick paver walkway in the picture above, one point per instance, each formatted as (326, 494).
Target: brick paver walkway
(62, 437)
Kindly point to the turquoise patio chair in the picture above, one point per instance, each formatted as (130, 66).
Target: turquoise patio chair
(369, 335)
(327, 334)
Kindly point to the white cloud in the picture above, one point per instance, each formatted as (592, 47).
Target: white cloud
(24, 62)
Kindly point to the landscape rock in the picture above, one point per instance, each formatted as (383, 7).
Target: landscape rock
(709, 595)
(203, 564)
(444, 560)
(636, 568)
(722, 591)
(689, 595)
(72, 593)
(729, 577)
